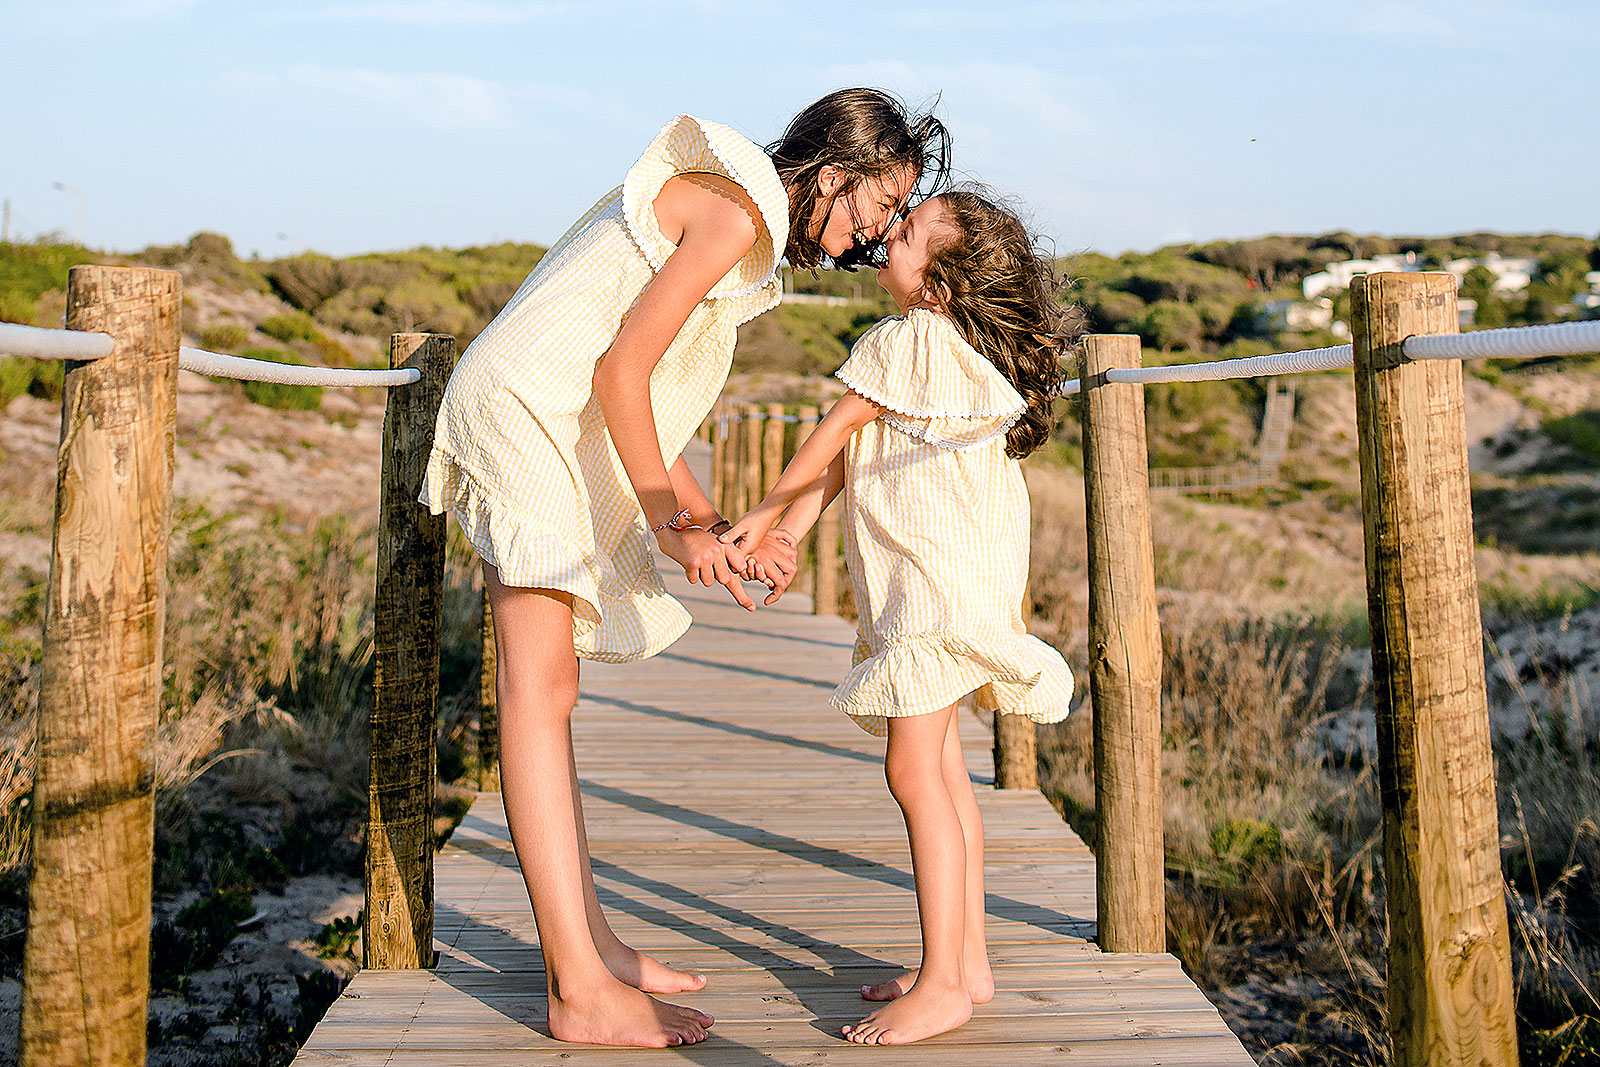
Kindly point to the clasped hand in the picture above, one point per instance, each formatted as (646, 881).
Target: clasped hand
(709, 560)
(771, 553)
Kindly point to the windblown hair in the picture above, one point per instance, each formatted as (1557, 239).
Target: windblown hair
(867, 134)
(1003, 295)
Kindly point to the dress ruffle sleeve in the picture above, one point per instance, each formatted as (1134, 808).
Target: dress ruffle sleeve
(930, 382)
(688, 145)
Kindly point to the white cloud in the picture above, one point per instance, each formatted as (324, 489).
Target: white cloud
(1050, 102)
(443, 101)
(83, 16)
(435, 12)
(472, 12)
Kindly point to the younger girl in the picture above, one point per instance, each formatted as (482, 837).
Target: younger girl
(943, 401)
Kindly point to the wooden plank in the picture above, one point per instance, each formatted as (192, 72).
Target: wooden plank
(741, 828)
(1203, 1051)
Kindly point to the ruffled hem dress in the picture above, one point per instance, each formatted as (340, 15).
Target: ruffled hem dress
(521, 453)
(936, 522)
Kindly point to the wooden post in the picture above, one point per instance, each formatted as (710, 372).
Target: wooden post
(1016, 737)
(719, 455)
(488, 708)
(772, 449)
(1016, 752)
(399, 922)
(1124, 654)
(825, 586)
(1450, 986)
(805, 581)
(754, 419)
(738, 427)
(86, 966)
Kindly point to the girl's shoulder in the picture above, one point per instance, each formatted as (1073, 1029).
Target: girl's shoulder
(930, 381)
(690, 145)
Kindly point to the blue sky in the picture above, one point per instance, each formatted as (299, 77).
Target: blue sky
(350, 126)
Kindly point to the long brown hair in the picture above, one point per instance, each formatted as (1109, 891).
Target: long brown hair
(1003, 295)
(867, 134)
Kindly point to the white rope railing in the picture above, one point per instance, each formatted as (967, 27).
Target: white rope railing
(33, 342)
(218, 365)
(1512, 342)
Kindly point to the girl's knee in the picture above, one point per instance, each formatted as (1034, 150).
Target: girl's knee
(546, 699)
(911, 777)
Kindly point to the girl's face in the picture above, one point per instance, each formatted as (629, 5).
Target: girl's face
(906, 249)
(864, 213)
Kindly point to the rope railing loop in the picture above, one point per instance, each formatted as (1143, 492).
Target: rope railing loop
(35, 342)
(1510, 342)
(218, 365)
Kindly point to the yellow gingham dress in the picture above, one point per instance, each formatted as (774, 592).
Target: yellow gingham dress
(936, 535)
(521, 454)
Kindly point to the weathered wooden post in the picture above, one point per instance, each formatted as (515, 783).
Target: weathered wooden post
(772, 449)
(399, 921)
(488, 707)
(738, 428)
(1124, 654)
(1450, 986)
(1016, 738)
(86, 967)
(755, 420)
(805, 580)
(719, 458)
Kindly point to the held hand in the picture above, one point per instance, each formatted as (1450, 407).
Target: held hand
(707, 560)
(774, 561)
(752, 529)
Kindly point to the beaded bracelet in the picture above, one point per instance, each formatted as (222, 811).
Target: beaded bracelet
(679, 522)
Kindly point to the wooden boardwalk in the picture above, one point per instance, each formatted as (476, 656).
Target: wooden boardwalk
(741, 828)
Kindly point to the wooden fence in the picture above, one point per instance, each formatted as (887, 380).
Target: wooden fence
(85, 970)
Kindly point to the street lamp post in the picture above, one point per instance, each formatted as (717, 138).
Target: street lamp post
(78, 236)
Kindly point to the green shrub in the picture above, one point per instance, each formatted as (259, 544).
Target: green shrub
(224, 337)
(1580, 432)
(276, 395)
(339, 937)
(37, 377)
(197, 936)
(296, 326)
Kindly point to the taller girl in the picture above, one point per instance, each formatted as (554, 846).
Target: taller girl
(558, 451)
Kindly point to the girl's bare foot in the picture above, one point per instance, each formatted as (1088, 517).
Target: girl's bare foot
(644, 973)
(980, 983)
(616, 1014)
(921, 1013)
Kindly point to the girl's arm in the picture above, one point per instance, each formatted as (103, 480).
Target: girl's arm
(714, 225)
(691, 496)
(807, 470)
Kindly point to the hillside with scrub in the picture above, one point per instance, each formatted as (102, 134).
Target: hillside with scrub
(1275, 881)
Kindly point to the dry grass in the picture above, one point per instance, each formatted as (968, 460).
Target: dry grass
(1273, 831)
(260, 755)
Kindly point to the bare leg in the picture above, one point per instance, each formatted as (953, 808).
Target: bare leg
(627, 964)
(538, 686)
(975, 951)
(938, 1000)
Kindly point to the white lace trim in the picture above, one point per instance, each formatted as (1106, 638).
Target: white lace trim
(924, 433)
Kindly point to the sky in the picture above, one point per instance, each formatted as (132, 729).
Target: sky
(350, 126)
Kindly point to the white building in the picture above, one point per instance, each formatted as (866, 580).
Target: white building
(1511, 275)
(1283, 315)
(1336, 276)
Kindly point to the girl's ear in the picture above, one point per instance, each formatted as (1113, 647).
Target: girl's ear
(829, 179)
(937, 294)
